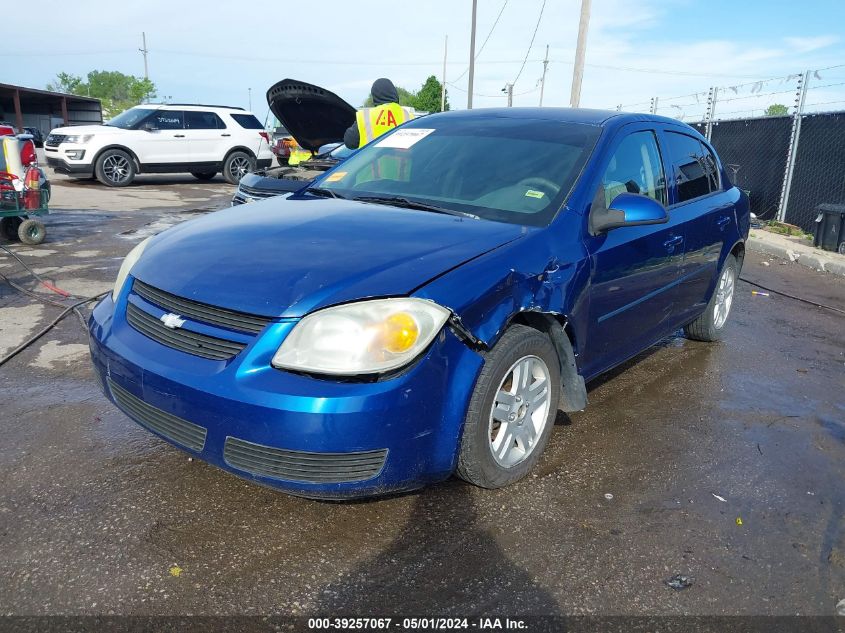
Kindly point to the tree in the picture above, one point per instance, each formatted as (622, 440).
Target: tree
(777, 109)
(428, 98)
(116, 91)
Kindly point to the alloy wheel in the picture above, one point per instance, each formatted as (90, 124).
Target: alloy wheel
(239, 166)
(116, 169)
(520, 411)
(724, 297)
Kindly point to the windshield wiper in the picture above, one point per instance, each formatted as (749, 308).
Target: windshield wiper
(325, 193)
(399, 201)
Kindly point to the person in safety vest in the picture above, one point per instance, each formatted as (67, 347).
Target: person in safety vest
(386, 114)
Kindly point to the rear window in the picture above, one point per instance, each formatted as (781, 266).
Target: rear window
(248, 121)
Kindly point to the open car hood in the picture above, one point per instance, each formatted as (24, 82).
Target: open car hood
(313, 116)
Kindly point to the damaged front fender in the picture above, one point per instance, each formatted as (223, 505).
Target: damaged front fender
(547, 290)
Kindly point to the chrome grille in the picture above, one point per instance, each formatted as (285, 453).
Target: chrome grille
(184, 340)
(240, 321)
(175, 429)
(54, 140)
(250, 192)
(278, 463)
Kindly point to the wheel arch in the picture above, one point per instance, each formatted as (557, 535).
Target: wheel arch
(122, 148)
(558, 327)
(238, 148)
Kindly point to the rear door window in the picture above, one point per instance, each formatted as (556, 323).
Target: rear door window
(693, 168)
(203, 121)
(635, 167)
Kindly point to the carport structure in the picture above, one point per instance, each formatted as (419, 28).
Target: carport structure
(45, 110)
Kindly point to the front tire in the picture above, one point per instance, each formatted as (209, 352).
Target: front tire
(512, 409)
(32, 232)
(115, 168)
(710, 325)
(236, 166)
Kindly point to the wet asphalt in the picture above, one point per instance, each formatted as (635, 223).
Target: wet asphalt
(722, 462)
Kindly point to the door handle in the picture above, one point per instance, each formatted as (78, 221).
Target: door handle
(723, 221)
(179, 135)
(672, 242)
(225, 135)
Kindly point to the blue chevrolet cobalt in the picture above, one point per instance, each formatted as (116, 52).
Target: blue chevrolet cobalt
(427, 306)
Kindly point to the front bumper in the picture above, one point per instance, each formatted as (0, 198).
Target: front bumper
(62, 166)
(305, 435)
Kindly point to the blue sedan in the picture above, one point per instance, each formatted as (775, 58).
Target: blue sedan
(426, 307)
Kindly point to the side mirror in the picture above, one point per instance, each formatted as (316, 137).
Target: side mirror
(627, 209)
(148, 127)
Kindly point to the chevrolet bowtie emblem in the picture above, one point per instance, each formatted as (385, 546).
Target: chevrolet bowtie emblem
(172, 320)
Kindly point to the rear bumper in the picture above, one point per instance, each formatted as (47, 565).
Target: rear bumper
(308, 436)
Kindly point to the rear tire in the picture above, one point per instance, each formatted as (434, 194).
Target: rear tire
(32, 232)
(9, 227)
(512, 409)
(115, 168)
(236, 165)
(203, 175)
(710, 325)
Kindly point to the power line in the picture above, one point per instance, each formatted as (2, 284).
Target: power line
(528, 52)
(466, 70)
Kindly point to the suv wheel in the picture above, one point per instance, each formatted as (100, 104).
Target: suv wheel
(203, 175)
(236, 165)
(115, 168)
(708, 327)
(512, 410)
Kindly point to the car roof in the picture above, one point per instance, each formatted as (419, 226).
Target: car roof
(585, 116)
(195, 106)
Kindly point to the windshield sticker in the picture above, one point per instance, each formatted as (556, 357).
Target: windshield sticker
(531, 193)
(403, 139)
(335, 176)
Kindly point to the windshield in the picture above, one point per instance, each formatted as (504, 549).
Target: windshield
(509, 169)
(130, 118)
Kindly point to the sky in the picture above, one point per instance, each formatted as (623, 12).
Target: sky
(231, 53)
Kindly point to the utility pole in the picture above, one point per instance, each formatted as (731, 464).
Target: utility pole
(580, 54)
(471, 56)
(443, 83)
(543, 80)
(144, 50)
(509, 89)
(249, 90)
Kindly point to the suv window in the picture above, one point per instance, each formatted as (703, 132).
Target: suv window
(167, 120)
(248, 121)
(693, 168)
(203, 121)
(635, 167)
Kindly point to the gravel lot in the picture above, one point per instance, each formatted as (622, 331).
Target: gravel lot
(725, 463)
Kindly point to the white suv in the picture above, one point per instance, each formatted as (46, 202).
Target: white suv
(202, 140)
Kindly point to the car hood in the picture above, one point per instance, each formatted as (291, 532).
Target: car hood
(285, 258)
(313, 116)
(87, 129)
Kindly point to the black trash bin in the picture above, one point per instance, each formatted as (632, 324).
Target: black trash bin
(830, 227)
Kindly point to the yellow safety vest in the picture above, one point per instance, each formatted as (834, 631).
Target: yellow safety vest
(298, 155)
(373, 122)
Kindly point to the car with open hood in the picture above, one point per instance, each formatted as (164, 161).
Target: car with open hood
(425, 307)
(316, 119)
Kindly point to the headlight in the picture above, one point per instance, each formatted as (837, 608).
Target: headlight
(361, 338)
(79, 139)
(128, 262)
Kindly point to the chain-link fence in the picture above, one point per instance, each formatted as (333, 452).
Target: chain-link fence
(780, 139)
